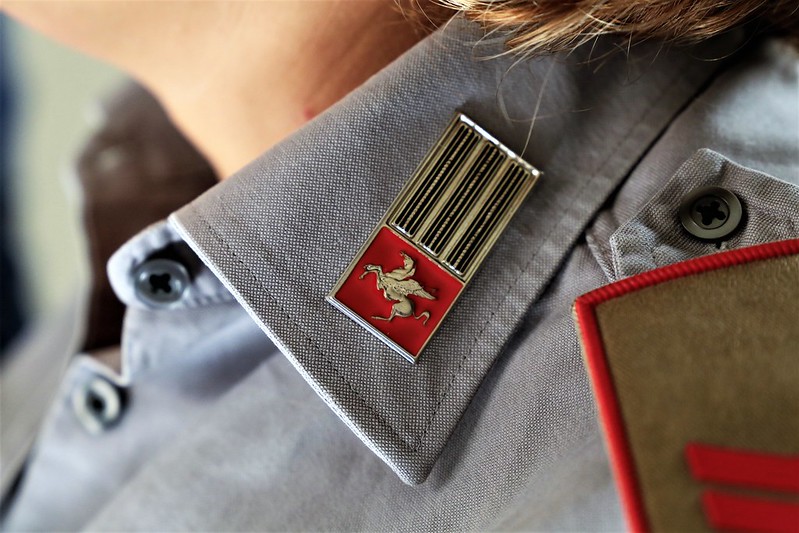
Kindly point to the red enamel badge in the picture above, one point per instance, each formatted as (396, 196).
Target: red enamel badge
(434, 237)
(399, 291)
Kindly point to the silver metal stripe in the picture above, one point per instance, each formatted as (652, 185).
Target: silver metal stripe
(488, 224)
(462, 201)
(430, 186)
(457, 178)
(461, 197)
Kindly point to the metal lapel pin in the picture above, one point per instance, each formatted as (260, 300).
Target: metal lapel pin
(420, 257)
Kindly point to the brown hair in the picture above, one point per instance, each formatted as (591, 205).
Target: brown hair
(556, 25)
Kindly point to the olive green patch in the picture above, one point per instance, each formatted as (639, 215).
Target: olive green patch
(712, 358)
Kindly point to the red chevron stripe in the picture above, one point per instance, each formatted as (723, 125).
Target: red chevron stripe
(743, 467)
(743, 513)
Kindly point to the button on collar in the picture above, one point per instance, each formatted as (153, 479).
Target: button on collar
(711, 213)
(160, 283)
(97, 405)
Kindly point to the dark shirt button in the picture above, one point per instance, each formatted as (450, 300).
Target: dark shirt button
(97, 405)
(160, 282)
(711, 213)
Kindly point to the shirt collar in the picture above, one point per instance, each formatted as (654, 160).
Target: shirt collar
(280, 232)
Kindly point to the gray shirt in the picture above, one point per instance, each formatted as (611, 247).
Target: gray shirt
(253, 404)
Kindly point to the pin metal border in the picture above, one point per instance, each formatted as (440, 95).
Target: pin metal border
(384, 223)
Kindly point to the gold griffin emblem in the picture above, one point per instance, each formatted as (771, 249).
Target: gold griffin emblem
(397, 285)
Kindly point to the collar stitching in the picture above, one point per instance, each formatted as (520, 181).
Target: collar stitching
(308, 338)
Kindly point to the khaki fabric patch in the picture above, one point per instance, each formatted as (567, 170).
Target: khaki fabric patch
(710, 357)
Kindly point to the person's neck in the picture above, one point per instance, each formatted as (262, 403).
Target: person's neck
(269, 68)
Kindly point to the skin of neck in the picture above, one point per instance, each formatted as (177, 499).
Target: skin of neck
(235, 77)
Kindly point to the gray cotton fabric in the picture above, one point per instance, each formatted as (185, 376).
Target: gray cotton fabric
(234, 393)
(174, 364)
(271, 456)
(281, 233)
(749, 115)
(654, 237)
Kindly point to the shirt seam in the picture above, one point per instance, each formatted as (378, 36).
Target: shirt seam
(308, 338)
(623, 138)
